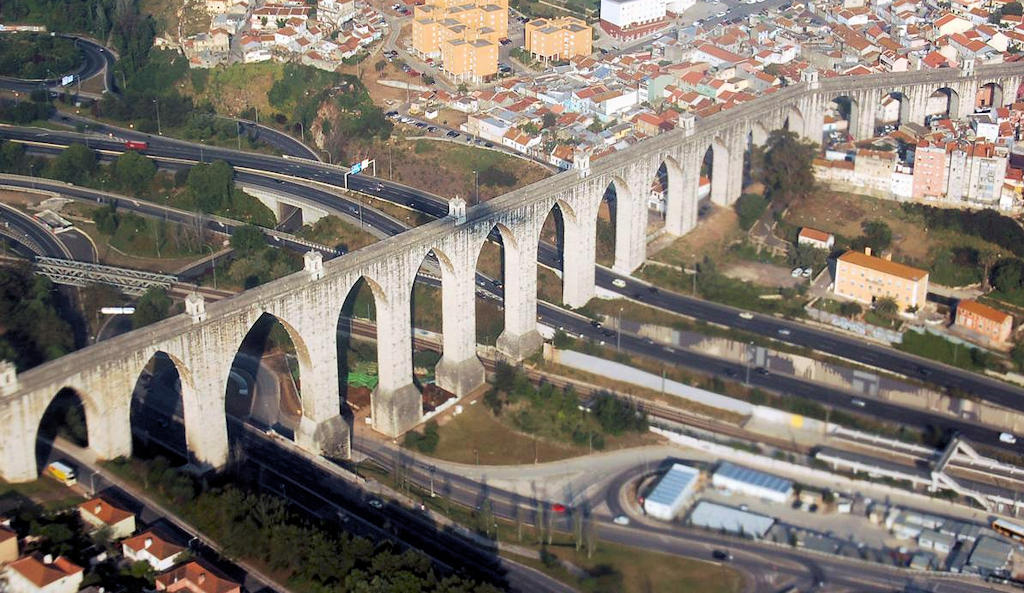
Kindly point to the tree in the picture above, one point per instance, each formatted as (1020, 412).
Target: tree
(76, 164)
(134, 172)
(380, 65)
(248, 239)
(210, 185)
(549, 119)
(850, 309)
(807, 256)
(1008, 274)
(787, 170)
(1017, 354)
(749, 208)
(1013, 8)
(153, 306)
(876, 234)
(886, 307)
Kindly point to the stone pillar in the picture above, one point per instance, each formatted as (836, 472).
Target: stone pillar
(720, 163)
(520, 337)
(813, 111)
(459, 370)
(322, 430)
(868, 107)
(20, 426)
(963, 106)
(734, 180)
(203, 399)
(107, 416)
(579, 253)
(918, 100)
(396, 405)
(630, 226)
(681, 208)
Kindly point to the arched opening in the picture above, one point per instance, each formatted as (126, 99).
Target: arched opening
(794, 121)
(707, 172)
(64, 418)
(157, 413)
(657, 199)
(842, 116)
(893, 110)
(263, 387)
(990, 96)
(944, 103)
(357, 349)
(427, 315)
(607, 223)
(490, 282)
(552, 249)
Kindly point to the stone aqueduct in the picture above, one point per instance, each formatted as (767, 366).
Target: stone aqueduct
(203, 341)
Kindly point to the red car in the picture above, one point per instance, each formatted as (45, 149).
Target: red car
(558, 507)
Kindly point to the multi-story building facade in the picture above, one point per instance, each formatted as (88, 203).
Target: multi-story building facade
(631, 19)
(865, 278)
(558, 39)
(463, 34)
(929, 171)
(986, 322)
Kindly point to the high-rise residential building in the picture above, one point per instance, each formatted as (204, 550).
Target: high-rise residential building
(558, 39)
(463, 34)
(929, 171)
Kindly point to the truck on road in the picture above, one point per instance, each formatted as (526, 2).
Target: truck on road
(61, 472)
(136, 145)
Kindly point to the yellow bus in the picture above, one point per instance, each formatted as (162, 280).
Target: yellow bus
(61, 472)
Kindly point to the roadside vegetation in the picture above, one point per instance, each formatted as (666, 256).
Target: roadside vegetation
(37, 56)
(308, 553)
(32, 331)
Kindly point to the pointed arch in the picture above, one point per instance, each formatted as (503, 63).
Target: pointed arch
(157, 408)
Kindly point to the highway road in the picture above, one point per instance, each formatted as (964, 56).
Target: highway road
(828, 342)
(40, 239)
(95, 59)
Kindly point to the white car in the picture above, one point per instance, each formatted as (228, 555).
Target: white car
(619, 283)
(1008, 438)
(807, 272)
(746, 315)
(621, 520)
(796, 272)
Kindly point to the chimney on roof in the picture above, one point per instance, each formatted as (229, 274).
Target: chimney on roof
(148, 543)
(97, 508)
(201, 578)
(867, 250)
(48, 559)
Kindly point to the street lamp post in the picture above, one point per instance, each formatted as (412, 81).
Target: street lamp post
(746, 359)
(213, 262)
(618, 330)
(159, 128)
(476, 186)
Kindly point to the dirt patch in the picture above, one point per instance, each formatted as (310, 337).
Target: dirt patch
(714, 233)
(842, 214)
(763, 274)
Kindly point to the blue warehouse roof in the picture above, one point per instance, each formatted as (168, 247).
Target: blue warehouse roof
(675, 481)
(754, 477)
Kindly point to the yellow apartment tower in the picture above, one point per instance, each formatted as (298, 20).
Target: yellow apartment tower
(558, 39)
(464, 34)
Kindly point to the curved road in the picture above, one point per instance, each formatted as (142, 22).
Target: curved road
(96, 59)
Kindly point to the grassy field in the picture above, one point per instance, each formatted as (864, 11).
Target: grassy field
(335, 232)
(447, 168)
(52, 495)
(640, 571)
(477, 431)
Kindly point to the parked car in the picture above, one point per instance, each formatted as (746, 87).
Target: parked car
(621, 520)
(619, 283)
(807, 272)
(1008, 438)
(795, 273)
(452, 134)
(558, 507)
(375, 503)
(858, 402)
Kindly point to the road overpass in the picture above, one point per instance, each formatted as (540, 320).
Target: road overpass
(202, 342)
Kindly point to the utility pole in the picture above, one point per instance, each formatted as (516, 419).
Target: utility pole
(476, 187)
(618, 331)
(159, 129)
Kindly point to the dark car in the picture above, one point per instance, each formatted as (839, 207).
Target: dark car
(488, 145)
(730, 372)
(762, 371)
(452, 134)
(721, 555)
(595, 323)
